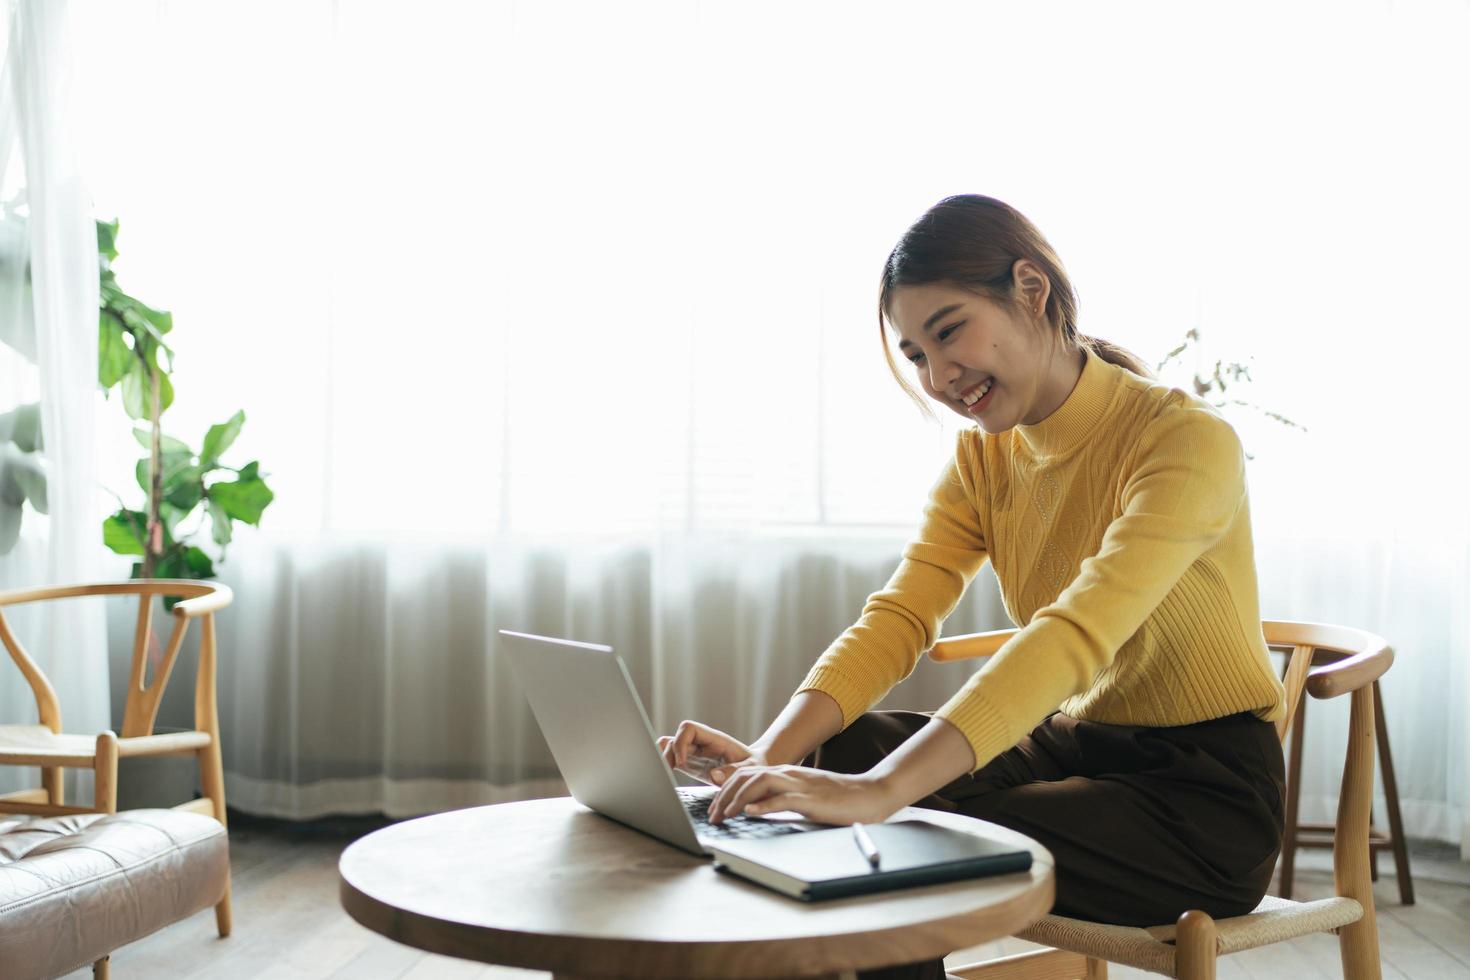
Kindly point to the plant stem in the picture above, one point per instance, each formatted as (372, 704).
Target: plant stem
(154, 546)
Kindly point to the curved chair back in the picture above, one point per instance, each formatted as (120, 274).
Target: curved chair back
(201, 599)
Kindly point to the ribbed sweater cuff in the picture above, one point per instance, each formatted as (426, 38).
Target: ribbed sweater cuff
(852, 697)
(981, 724)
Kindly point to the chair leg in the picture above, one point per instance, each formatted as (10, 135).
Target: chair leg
(1196, 946)
(1358, 947)
(1372, 851)
(1391, 794)
(1293, 796)
(222, 919)
(102, 969)
(1096, 969)
(54, 782)
(212, 778)
(104, 774)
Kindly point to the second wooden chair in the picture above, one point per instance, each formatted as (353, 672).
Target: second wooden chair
(1189, 947)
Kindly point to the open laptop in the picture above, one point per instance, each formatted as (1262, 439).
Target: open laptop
(602, 741)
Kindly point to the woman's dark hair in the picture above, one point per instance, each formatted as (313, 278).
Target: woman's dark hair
(973, 241)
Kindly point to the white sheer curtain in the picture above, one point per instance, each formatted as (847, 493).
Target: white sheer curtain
(560, 316)
(48, 354)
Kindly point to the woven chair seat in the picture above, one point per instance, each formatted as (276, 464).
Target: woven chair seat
(1152, 948)
(36, 745)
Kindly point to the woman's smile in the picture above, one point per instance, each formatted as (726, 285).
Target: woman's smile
(977, 399)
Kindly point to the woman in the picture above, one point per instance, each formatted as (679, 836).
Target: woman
(1127, 726)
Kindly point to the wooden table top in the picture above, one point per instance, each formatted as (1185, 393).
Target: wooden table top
(550, 885)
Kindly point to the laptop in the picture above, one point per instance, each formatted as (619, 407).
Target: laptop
(602, 741)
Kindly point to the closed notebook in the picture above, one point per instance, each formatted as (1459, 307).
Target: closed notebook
(829, 864)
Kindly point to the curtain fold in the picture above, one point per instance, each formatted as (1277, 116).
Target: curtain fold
(58, 239)
(501, 283)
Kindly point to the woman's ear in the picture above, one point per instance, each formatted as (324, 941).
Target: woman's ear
(1032, 284)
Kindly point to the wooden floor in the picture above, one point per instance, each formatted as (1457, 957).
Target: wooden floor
(289, 925)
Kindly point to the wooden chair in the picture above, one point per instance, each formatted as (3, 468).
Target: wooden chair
(1321, 834)
(45, 745)
(1189, 947)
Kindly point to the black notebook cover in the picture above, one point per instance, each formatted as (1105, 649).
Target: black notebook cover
(822, 864)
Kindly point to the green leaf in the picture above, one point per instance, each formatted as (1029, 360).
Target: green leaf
(113, 354)
(172, 465)
(139, 314)
(123, 532)
(12, 494)
(249, 471)
(135, 391)
(168, 444)
(107, 239)
(23, 424)
(198, 563)
(219, 437)
(137, 394)
(165, 392)
(220, 524)
(244, 500)
(184, 487)
(184, 562)
(180, 562)
(28, 470)
(10, 518)
(171, 564)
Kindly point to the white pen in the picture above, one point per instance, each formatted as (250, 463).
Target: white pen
(866, 845)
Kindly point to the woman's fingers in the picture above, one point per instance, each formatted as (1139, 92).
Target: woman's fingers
(746, 787)
(705, 753)
(728, 788)
(796, 802)
(683, 735)
(825, 797)
(693, 738)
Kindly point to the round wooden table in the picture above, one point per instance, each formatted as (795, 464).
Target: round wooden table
(550, 885)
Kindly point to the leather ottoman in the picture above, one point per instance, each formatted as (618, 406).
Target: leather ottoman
(75, 888)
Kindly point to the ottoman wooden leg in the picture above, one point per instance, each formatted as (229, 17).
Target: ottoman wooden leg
(102, 969)
(222, 913)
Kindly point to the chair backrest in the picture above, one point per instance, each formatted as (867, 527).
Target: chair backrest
(201, 599)
(1306, 645)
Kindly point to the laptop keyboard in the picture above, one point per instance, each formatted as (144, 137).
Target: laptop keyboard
(736, 827)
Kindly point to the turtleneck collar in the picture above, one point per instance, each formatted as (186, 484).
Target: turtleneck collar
(1078, 415)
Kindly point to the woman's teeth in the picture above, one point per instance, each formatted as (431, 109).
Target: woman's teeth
(977, 394)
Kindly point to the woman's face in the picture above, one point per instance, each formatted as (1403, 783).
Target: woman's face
(962, 345)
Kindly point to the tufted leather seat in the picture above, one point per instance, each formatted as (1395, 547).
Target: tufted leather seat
(74, 888)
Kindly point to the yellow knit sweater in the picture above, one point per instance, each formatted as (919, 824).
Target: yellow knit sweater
(1120, 534)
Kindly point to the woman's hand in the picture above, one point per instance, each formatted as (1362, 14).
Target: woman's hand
(826, 797)
(706, 753)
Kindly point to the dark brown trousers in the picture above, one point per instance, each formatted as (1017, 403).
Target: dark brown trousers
(1144, 823)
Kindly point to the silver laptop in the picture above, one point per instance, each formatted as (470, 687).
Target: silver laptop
(606, 749)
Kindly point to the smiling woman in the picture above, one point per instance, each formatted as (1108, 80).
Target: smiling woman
(1127, 725)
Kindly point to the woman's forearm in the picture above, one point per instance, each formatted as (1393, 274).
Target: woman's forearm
(931, 758)
(808, 720)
